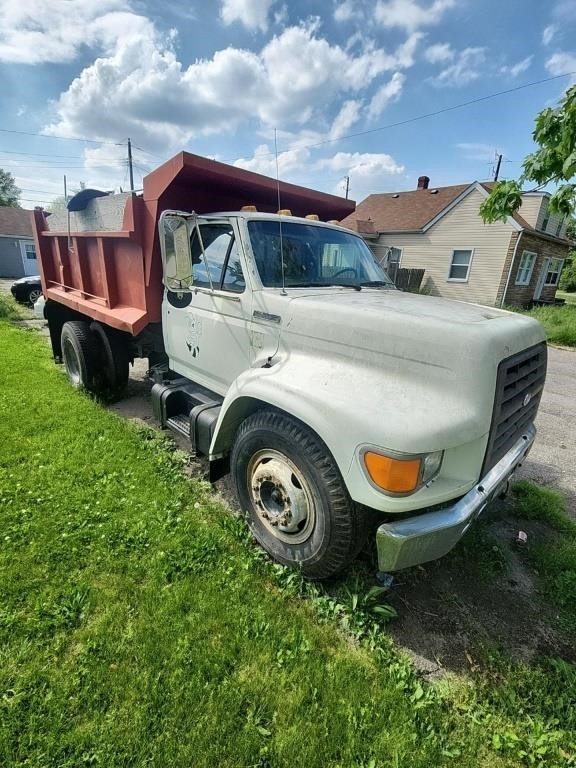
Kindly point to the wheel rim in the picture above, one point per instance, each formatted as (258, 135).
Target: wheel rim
(71, 363)
(281, 496)
(33, 296)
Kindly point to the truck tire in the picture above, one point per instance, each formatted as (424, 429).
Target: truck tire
(293, 496)
(79, 354)
(115, 357)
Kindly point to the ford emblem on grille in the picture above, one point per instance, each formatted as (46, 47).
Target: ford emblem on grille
(527, 398)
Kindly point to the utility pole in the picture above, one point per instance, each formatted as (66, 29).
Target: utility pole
(347, 185)
(497, 170)
(130, 166)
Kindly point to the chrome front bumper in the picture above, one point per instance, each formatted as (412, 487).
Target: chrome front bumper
(431, 535)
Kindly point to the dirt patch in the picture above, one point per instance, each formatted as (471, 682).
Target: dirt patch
(453, 612)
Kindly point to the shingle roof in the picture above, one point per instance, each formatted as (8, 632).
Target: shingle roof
(404, 211)
(15, 221)
(411, 211)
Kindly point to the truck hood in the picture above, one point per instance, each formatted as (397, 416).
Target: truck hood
(395, 325)
(417, 371)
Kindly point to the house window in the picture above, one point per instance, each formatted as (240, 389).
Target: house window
(30, 250)
(554, 269)
(545, 221)
(559, 227)
(460, 265)
(525, 268)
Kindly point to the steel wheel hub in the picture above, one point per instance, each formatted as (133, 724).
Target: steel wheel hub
(281, 496)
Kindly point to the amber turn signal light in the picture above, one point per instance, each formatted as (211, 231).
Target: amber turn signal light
(393, 475)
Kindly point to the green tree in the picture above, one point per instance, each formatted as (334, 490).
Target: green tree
(554, 162)
(9, 192)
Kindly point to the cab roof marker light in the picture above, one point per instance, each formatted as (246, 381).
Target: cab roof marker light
(284, 212)
(312, 216)
(249, 209)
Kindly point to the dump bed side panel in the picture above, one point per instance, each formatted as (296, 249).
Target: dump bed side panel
(101, 274)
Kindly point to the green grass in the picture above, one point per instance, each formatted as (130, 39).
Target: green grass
(140, 627)
(569, 298)
(558, 321)
(554, 557)
(9, 309)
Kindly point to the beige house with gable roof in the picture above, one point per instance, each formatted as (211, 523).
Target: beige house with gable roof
(440, 230)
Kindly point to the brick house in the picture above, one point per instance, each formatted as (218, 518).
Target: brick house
(440, 229)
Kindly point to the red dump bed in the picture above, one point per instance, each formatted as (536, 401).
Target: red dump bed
(115, 276)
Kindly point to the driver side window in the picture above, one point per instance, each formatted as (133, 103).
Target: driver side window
(219, 265)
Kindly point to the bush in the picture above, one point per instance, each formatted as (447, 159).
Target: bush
(568, 279)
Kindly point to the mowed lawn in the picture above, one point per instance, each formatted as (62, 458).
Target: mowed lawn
(140, 627)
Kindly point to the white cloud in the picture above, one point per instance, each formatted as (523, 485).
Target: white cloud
(252, 13)
(438, 53)
(548, 34)
(264, 161)
(348, 115)
(516, 69)
(409, 14)
(386, 94)
(562, 62)
(464, 70)
(141, 89)
(367, 172)
(362, 163)
(346, 11)
(55, 30)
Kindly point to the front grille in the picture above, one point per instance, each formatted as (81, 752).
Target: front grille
(518, 376)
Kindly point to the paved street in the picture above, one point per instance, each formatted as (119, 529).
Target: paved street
(553, 458)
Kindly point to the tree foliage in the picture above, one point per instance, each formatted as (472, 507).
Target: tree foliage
(9, 192)
(554, 162)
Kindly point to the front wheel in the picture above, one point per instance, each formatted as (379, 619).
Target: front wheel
(293, 495)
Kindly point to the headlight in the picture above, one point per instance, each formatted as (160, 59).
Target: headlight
(400, 475)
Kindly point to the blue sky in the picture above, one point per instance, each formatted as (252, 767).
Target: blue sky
(219, 77)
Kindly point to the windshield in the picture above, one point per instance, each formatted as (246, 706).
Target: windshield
(313, 256)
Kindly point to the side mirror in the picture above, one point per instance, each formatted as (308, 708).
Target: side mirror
(176, 254)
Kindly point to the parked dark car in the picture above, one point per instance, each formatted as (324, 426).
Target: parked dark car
(27, 289)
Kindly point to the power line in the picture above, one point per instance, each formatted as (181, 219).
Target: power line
(35, 154)
(416, 118)
(62, 138)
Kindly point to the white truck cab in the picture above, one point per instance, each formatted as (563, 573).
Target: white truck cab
(331, 396)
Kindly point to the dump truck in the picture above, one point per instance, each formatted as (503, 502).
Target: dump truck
(281, 350)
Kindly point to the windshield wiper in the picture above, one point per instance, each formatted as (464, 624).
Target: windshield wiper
(377, 284)
(355, 286)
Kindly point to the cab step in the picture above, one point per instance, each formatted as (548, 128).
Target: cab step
(189, 409)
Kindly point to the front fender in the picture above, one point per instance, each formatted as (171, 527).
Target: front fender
(350, 404)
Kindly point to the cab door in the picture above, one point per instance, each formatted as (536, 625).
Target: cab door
(206, 328)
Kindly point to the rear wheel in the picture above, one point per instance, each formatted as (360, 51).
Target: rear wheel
(115, 356)
(293, 495)
(79, 354)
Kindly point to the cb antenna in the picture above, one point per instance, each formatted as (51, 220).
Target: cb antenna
(279, 209)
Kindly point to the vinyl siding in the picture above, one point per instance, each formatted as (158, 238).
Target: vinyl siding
(532, 209)
(460, 228)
